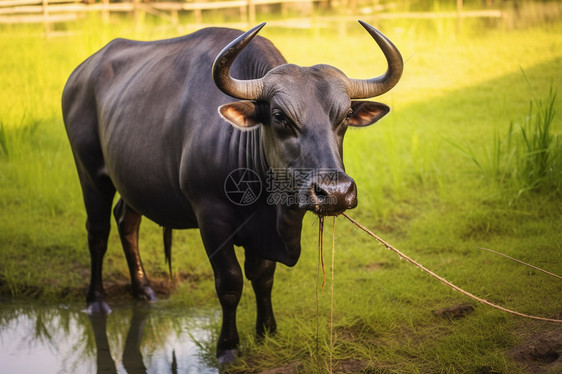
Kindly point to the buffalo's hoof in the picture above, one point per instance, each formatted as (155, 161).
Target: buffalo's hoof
(144, 293)
(97, 308)
(228, 356)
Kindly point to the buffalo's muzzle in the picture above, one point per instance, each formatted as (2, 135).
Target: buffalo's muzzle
(329, 194)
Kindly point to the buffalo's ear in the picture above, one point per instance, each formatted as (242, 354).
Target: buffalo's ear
(241, 114)
(365, 113)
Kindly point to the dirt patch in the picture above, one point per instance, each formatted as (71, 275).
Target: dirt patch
(351, 366)
(541, 353)
(455, 311)
(379, 265)
(117, 287)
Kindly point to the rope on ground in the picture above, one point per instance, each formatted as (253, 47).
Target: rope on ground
(521, 262)
(443, 280)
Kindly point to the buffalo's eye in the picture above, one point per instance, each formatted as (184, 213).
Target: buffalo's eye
(279, 117)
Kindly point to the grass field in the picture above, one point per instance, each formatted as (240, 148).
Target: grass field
(445, 173)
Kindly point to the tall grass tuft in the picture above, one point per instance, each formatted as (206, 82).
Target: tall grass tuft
(541, 148)
(4, 140)
(529, 156)
(13, 139)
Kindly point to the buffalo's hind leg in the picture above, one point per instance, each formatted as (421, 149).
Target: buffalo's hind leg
(128, 223)
(228, 284)
(98, 199)
(260, 272)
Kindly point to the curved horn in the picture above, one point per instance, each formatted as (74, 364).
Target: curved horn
(366, 88)
(241, 89)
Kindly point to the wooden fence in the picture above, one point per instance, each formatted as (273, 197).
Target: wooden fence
(53, 11)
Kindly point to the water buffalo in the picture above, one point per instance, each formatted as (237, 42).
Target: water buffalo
(154, 121)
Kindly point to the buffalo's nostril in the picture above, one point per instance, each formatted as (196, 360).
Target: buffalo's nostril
(320, 193)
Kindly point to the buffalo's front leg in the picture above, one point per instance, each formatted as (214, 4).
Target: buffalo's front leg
(128, 222)
(261, 272)
(228, 284)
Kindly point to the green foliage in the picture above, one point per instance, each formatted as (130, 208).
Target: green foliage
(4, 140)
(542, 149)
(529, 156)
(14, 140)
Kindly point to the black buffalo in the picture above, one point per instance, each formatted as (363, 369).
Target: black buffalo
(154, 121)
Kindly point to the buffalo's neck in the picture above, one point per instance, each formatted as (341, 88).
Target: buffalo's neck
(251, 153)
(286, 221)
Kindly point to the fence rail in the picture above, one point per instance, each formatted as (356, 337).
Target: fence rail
(30, 11)
(53, 11)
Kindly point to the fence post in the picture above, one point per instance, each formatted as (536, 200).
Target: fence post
(138, 16)
(251, 12)
(459, 15)
(45, 4)
(244, 15)
(198, 16)
(174, 17)
(105, 11)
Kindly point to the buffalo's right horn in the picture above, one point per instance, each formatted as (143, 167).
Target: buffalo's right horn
(366, 88)
(242, 89)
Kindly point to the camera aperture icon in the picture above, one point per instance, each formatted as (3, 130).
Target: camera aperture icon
(243, 186)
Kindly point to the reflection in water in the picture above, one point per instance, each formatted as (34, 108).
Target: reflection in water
(39, 339)
(132, 356)
(104, 360)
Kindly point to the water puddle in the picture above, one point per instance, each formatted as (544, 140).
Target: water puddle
(145, 339)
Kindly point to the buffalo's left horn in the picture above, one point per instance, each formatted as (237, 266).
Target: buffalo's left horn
(365, 88)
(242, 89)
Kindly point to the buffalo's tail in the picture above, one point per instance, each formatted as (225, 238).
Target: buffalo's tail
(168, 248)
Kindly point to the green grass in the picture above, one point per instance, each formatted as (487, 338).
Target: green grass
(416, 190)
(528, 157)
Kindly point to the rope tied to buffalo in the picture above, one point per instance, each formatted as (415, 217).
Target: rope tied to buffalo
(321, 264)
(443, 280)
